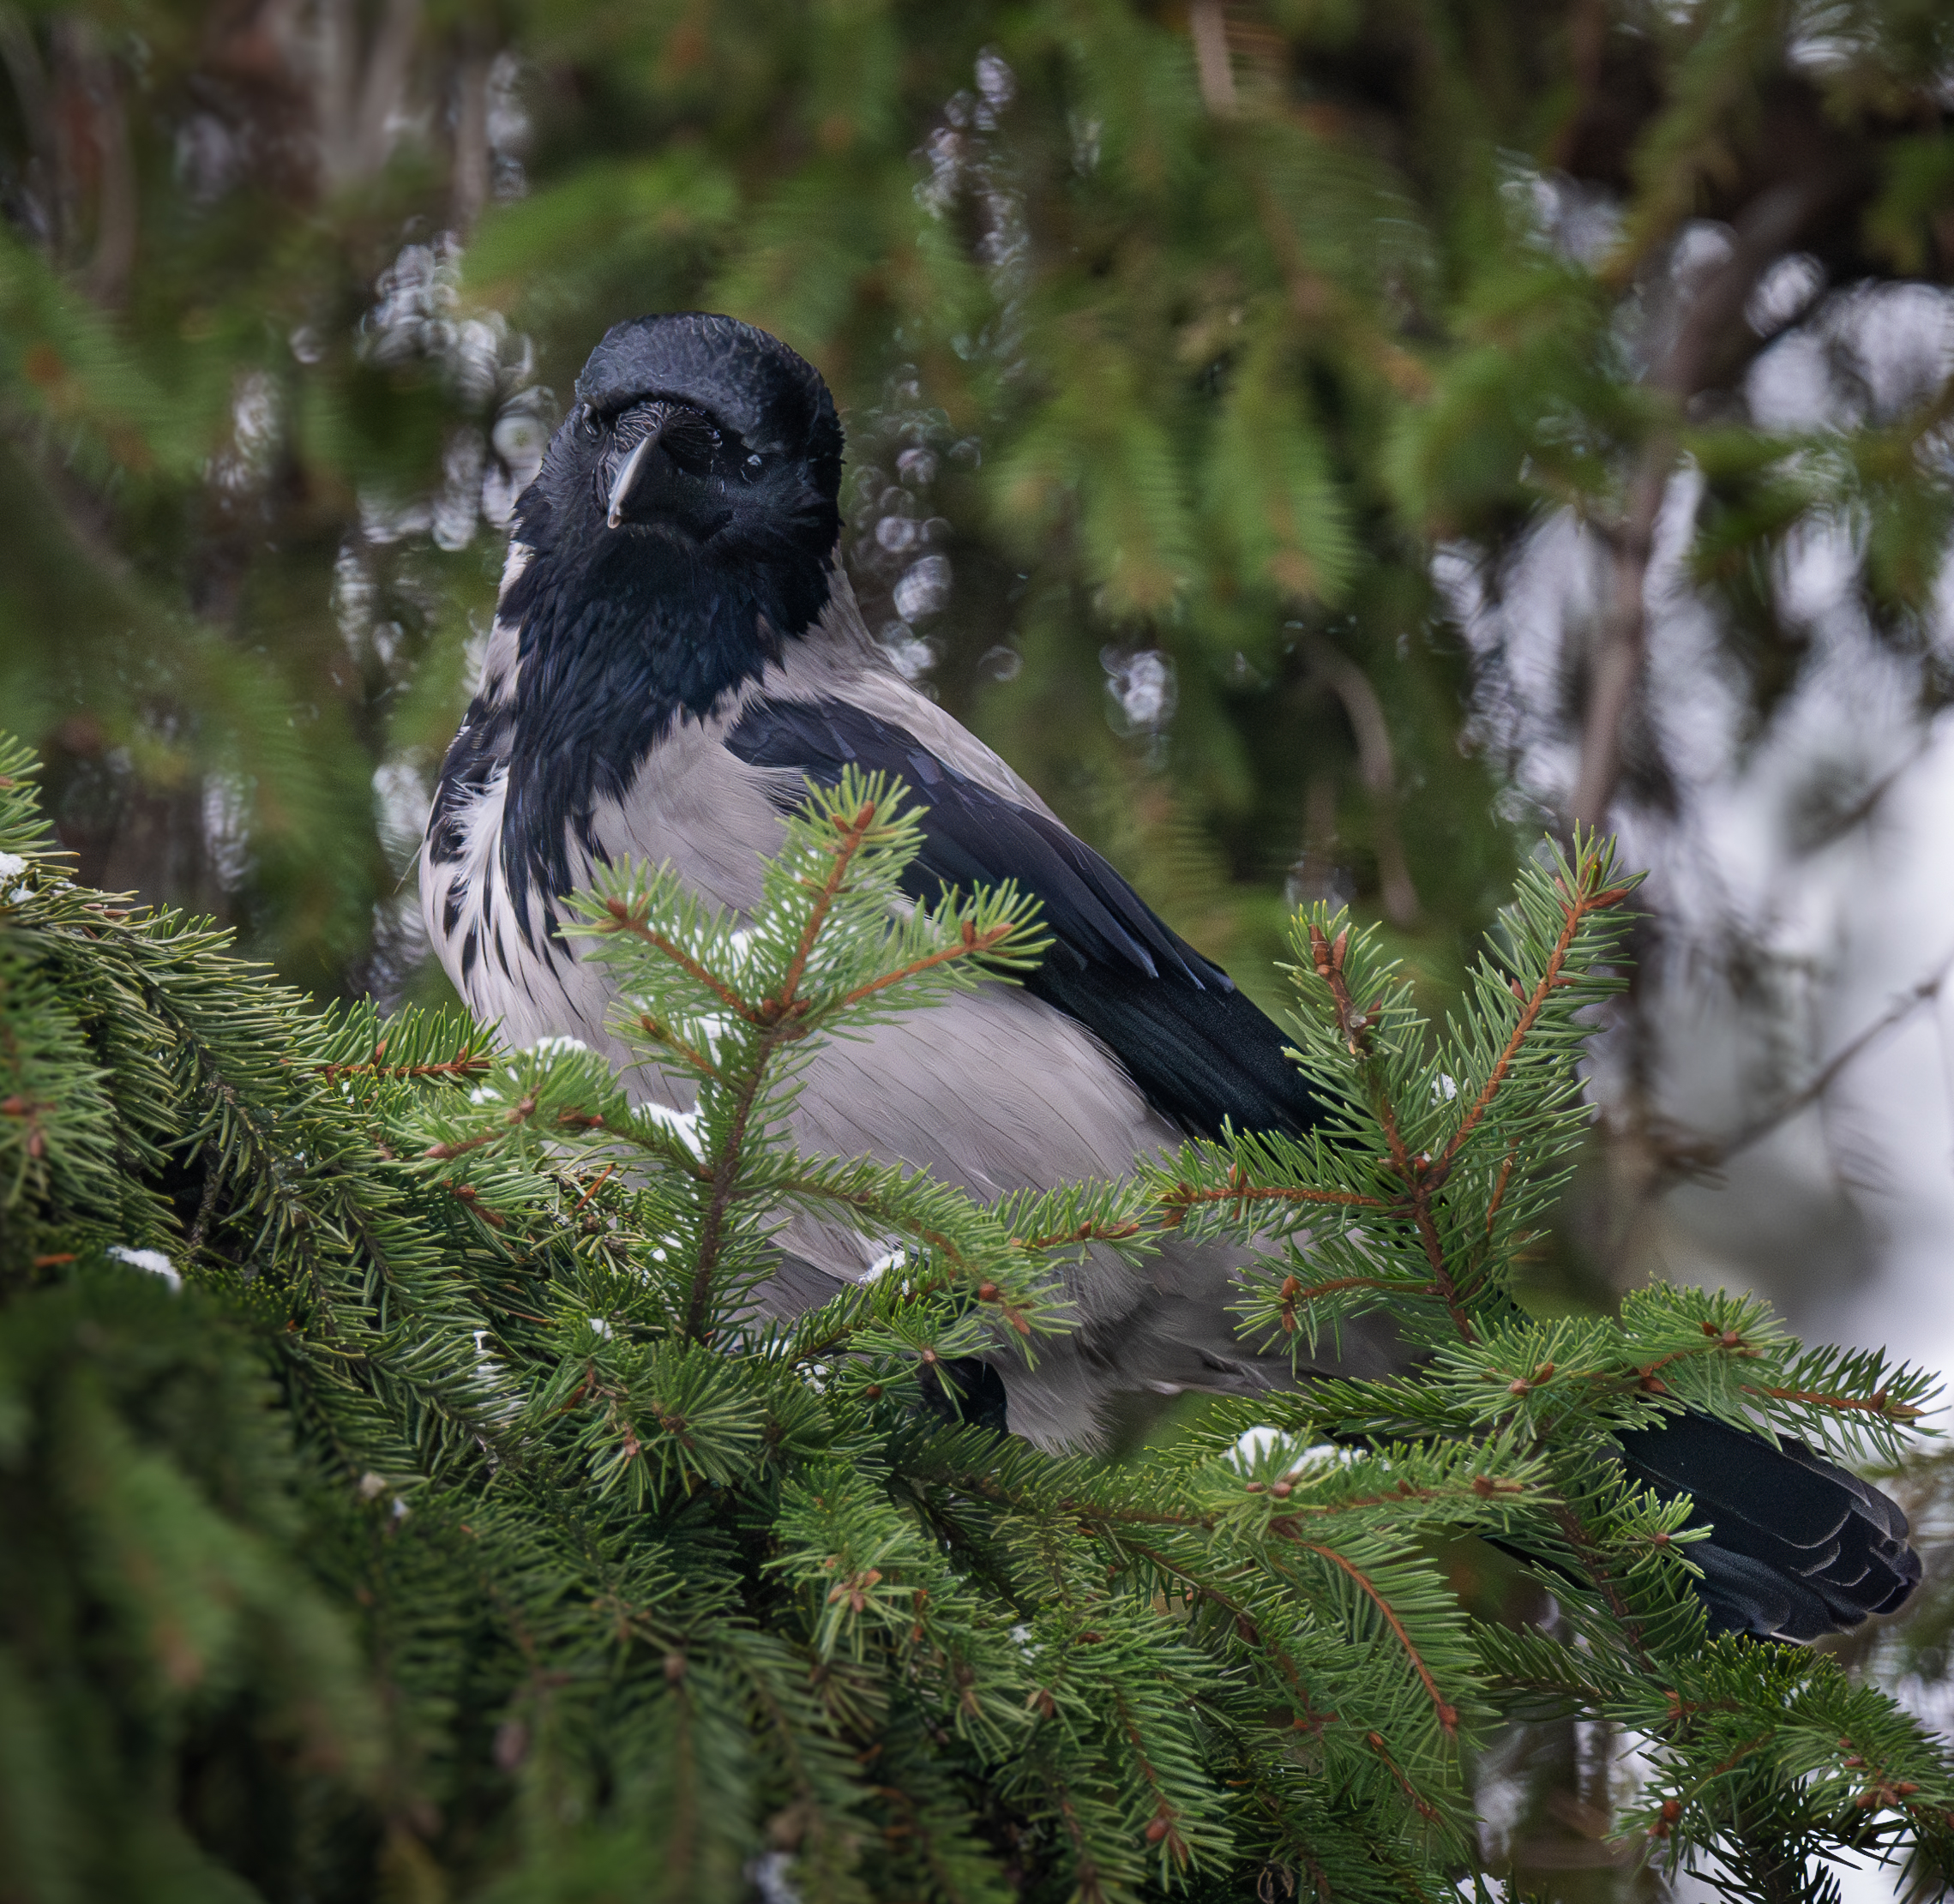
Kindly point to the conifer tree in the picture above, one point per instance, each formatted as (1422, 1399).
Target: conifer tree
(402, 1489)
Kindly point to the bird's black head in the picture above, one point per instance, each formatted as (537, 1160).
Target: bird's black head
(688, 504)
(682, 529)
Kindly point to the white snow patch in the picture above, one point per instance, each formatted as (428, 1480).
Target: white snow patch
(1254, 1445)
(1324, 1452)
(11, 866)
(684, 1125)
(1262, 1440)
(895, 1259)
(153, 1260)
(488, 1370)
(768, 1876)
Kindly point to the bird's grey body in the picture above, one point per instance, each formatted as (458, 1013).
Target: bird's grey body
(676, 653)
(1037, 1099)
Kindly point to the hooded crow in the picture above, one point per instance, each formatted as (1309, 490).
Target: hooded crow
(675, 652)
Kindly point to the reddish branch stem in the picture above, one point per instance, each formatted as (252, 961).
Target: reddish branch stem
(1892, 1411)
(854, 831)
(974, 945)
(1421, 1804)
(463, 1064)
(1574, 910)
(1086, 1233)
(1448, 1715)
(724, 1171)
(1421, 1184)
(624, 920)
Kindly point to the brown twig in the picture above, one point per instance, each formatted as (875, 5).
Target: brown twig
(1247, 1629)
(853, 831)
(1581, 1542)
(1617, 671)
(1422, 1179)
(1184, 1197)
(213, 1163)
(597, 1184)
(1442, 1284)
(1709, 1155)
(1085, 1232)
(1327, 956)
(1693, 359)
(1499, 1188)
(975, 945)
(1576, 908)
(1470, 1494)
(30, 1110)
(1421, 1804)
(1879, 1405)
(445, 1153)
(670, 1149)
(623, 919)
(1447, 1715)
(1336, 1284)
(700, 1061)
(1161, 1831)
(1213, 68)
(1365, 712)
(470, 188)
(465, 1064)
(724, 1174)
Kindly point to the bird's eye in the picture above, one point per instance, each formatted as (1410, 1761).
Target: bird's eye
(693, 442)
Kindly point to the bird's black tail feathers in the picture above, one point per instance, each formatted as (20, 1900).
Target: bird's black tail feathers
(1799, 1547)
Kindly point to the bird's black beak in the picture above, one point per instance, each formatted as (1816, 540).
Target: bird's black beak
(664, 482)
(643, 452)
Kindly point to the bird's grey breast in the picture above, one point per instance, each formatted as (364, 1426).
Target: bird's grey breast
(689, 805)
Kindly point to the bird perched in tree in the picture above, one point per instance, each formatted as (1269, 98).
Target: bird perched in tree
(676, 651)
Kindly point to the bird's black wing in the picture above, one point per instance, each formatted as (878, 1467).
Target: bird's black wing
(1798, 1546)
(1199, 1051)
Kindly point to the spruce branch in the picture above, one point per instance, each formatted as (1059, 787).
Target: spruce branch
(621, 1550)
(1446, 1713)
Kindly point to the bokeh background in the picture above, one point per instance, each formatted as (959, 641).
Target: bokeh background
(1325, 444)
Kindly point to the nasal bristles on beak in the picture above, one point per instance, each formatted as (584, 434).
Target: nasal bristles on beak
(621, 489)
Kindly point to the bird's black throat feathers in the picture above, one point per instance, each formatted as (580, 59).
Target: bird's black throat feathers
(624, 620)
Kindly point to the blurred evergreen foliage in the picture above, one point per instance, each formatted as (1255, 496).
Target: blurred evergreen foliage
(1171, 340)
(1190, 354)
